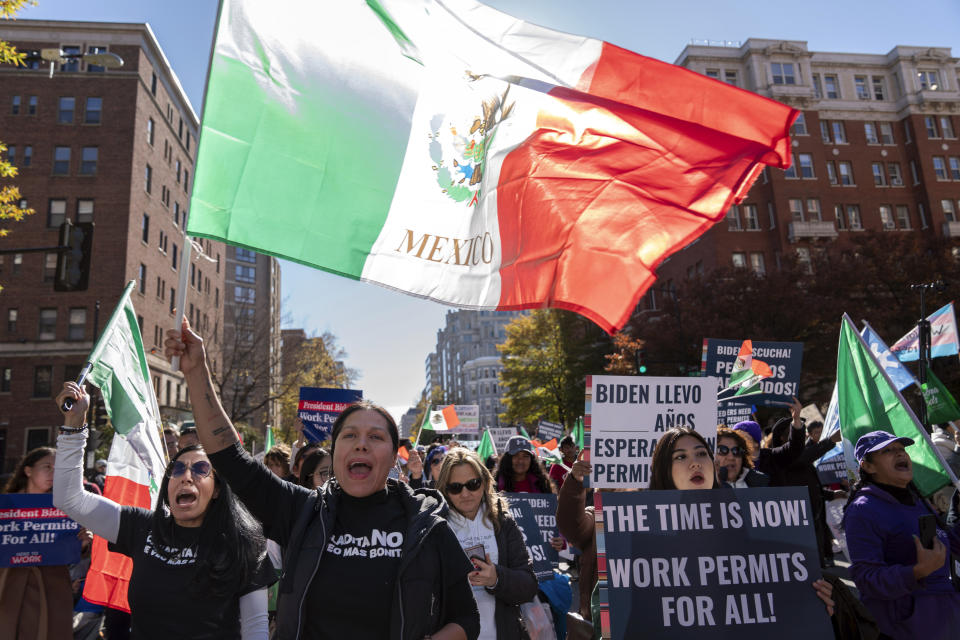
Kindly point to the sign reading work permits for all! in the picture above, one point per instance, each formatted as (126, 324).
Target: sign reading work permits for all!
(33, 532)
(709, 565)
(630, 413)
(320, 407)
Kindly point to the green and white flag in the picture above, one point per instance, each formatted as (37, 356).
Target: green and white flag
(941, 406)
(486, 448)
(868, 400)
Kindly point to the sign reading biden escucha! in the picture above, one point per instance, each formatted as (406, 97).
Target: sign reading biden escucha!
(630, 413)
(34, 533)
(320, 407)
(784, 358)
(710, 565)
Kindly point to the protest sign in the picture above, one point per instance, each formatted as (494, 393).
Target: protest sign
(628, 414)
(500, 437)
(784, 358)
(320, 407)
(832, 466)
(469, 416)
(539, 550)
(549, 430)
(709, 564)
(33, 532)
(544, 508)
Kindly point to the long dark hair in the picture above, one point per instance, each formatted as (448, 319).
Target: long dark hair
(309, 464)
(231, 543)
(661, 465)
(19, 480)
(364, 405)
(504, 473)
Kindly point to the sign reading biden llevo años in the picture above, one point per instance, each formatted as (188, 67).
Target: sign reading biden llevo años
(630, 413)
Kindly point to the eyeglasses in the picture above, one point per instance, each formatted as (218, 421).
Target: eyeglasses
(723, 450)
(322, 473)
(199, 469)
(455, 488)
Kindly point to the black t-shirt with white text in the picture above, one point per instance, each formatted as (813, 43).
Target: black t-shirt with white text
(163, 596)
(358, 569)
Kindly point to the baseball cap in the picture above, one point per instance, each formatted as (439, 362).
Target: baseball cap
(875, 441)
(516, 444)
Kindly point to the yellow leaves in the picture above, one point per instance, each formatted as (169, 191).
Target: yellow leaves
(9, 9)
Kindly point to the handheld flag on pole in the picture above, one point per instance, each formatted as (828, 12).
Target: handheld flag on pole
(578, 432)
(523, 432)
(135, 466)
(747, 373)
(941, 406)
(447, 150)
(268, 441)
(943, 337)
(487, 447)
(868, 400)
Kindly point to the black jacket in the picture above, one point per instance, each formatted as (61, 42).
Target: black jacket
(774, 462)
(753, 478)
(431, 588)
(516, 582)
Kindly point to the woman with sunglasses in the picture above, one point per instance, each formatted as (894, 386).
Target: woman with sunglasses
(734, 461)
(199, 569)
(503, 575)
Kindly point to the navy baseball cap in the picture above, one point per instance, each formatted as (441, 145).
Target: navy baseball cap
(875, 441)
(516, 444)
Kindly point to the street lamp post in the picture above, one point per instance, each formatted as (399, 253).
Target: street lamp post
(104, 59)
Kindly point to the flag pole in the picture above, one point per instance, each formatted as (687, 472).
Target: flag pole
(182, 294)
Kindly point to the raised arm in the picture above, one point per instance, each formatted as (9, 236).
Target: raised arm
(95, 513)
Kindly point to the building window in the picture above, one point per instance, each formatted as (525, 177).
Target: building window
(188, 141)
(85, 210)
(733, 219)
(954, 168)
(796, 209)
(186, 180)
(928, 80)
(757, 264)
(93, 111)
(839, 132)
(831, 87)
(853, 217)
(173, 299)
(930, 123)
(145, 229)
(790, 173)
(65, 109)
(88, 161)
(838, 214)
(783, 73)
(817, 89)
(879, 177)
(49, 267)
(886, 133)
(148, 179)
(799, 126)
(244, 295)
(903, 216)
(17, 263)
(153, 84)
(27, 156)
(6, 377)
(61, 161)
(939, 168)
(12, 154)
(246, 255)
(846, 174)
(713, 73)
(806, 165)
(896, 177)
(803, 259)
(56, 214)
(42, 381)
(813, 209)
(176, 214)
(832, 172)
(12, 316)
(76, 329)
(178, 167)
(751, 217)
(32, 106)
(739, 260)
(245, 274)
(730, 77)
(95, 68)
(946, 127)
(150, 131)
(47, 325)
(886, 218)
(173, 260)
(870, 129)
(72, 63)
(860, 84)
(879, 88)
(949, 212)
(15, 106)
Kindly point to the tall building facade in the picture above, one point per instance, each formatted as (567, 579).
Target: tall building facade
(252, 353)
(115, 147)
(466, 363)
(875, 147)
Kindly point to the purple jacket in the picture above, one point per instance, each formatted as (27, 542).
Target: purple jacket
(880, 534)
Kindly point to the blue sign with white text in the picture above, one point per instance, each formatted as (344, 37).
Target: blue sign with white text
(784, 358)
(34, 533)
(320, 407)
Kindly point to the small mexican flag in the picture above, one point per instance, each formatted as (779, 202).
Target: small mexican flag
(486, 448)
(747, 372)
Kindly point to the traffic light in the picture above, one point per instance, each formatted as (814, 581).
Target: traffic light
(73, 262)
(641, 355)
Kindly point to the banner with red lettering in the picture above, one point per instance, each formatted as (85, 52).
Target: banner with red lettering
(34, 533)
(319, 408)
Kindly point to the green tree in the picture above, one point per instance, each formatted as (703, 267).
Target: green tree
(10, 194)
(546, 358)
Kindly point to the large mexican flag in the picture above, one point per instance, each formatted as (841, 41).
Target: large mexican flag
(450, 151)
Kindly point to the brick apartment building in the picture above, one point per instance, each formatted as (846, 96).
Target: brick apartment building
(876, 148)
(115, 147)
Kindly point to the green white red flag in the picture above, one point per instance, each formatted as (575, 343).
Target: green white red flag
(135, 466)
(747, 373)
(450, 151)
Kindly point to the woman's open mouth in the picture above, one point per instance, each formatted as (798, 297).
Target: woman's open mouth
(359, 469)
(186, 499)
(697, 478)
(902, 465)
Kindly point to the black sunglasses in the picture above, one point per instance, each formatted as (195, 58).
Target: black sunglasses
(200, 469)
(723, 450)
(472, 485)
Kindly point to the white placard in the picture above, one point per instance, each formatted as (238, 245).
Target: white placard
(628, 416)
(500, 437)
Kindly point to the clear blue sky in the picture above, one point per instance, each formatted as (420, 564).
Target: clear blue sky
(388, 335)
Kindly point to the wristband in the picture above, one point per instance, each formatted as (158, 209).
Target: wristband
(69, 431)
